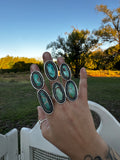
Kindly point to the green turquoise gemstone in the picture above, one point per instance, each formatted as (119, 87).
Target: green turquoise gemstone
(71, 90)
(58, 92)
(65, 71)
(37, 80)
(51, 70)
(45, 101)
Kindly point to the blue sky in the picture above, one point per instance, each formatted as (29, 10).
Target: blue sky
(27, 26)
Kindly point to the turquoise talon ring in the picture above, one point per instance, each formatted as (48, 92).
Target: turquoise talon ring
(65, 71)
(45, 101)
(58, 92)
(37, 80)
(71, 90)
(51, 70)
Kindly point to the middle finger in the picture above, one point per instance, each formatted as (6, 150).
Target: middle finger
(51, 71)
(52, 74)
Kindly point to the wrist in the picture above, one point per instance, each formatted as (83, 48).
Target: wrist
(98, 149)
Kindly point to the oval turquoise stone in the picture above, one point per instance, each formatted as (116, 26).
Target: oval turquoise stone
(37, 80)
(51, 70)
(45, 101)
(65, 71)
(58, 92)
(71, 90)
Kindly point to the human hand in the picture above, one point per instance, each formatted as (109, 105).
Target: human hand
(70, 127)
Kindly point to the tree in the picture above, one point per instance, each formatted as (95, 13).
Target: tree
(95, 60)
(110, 30)
(112, 61)
(74, 48)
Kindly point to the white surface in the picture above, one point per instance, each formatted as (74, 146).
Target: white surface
(9, 145)
(109, 128)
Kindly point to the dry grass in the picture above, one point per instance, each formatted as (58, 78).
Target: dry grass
(103, 73)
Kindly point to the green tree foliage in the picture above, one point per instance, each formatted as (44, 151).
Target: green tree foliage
(104, 60)
(94, 60)
(112, 58)
(110, 30)
(74, 48)
(21, 66)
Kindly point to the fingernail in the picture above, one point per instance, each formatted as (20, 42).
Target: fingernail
(84, 70)
(46, 56)
(38, 107)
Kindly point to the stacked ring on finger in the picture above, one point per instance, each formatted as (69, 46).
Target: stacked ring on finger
(70, 86)
(45, 101)
(37, 82)
(51, 72)
(58, 92)
(65, 71)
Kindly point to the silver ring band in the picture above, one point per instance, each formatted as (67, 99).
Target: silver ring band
(41, 121)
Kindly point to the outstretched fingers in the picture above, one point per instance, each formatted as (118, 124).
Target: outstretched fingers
(37, 81)
(83, 86)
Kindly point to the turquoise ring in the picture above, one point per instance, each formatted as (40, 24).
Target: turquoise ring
(51, 70)
(71, 90)
(37, 80)
(65, 71)
(58, 92)
(45, 101)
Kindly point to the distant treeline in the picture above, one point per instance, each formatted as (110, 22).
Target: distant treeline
(96, 60)
(18, 64)
(103, 60)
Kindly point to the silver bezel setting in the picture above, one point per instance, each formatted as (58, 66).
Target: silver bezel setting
(61, 72)
(66, 90)
(63, 90)
(56, 70)
(41, 77)
(41, 103)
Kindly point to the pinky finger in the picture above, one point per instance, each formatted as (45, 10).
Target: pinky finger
(44, 126)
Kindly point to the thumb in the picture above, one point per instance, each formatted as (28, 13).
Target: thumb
(83, 85)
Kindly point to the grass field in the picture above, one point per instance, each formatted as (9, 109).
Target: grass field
(18, 101)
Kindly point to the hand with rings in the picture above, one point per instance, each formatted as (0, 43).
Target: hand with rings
(70, 126)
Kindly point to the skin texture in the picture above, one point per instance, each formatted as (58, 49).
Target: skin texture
(70, 127)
